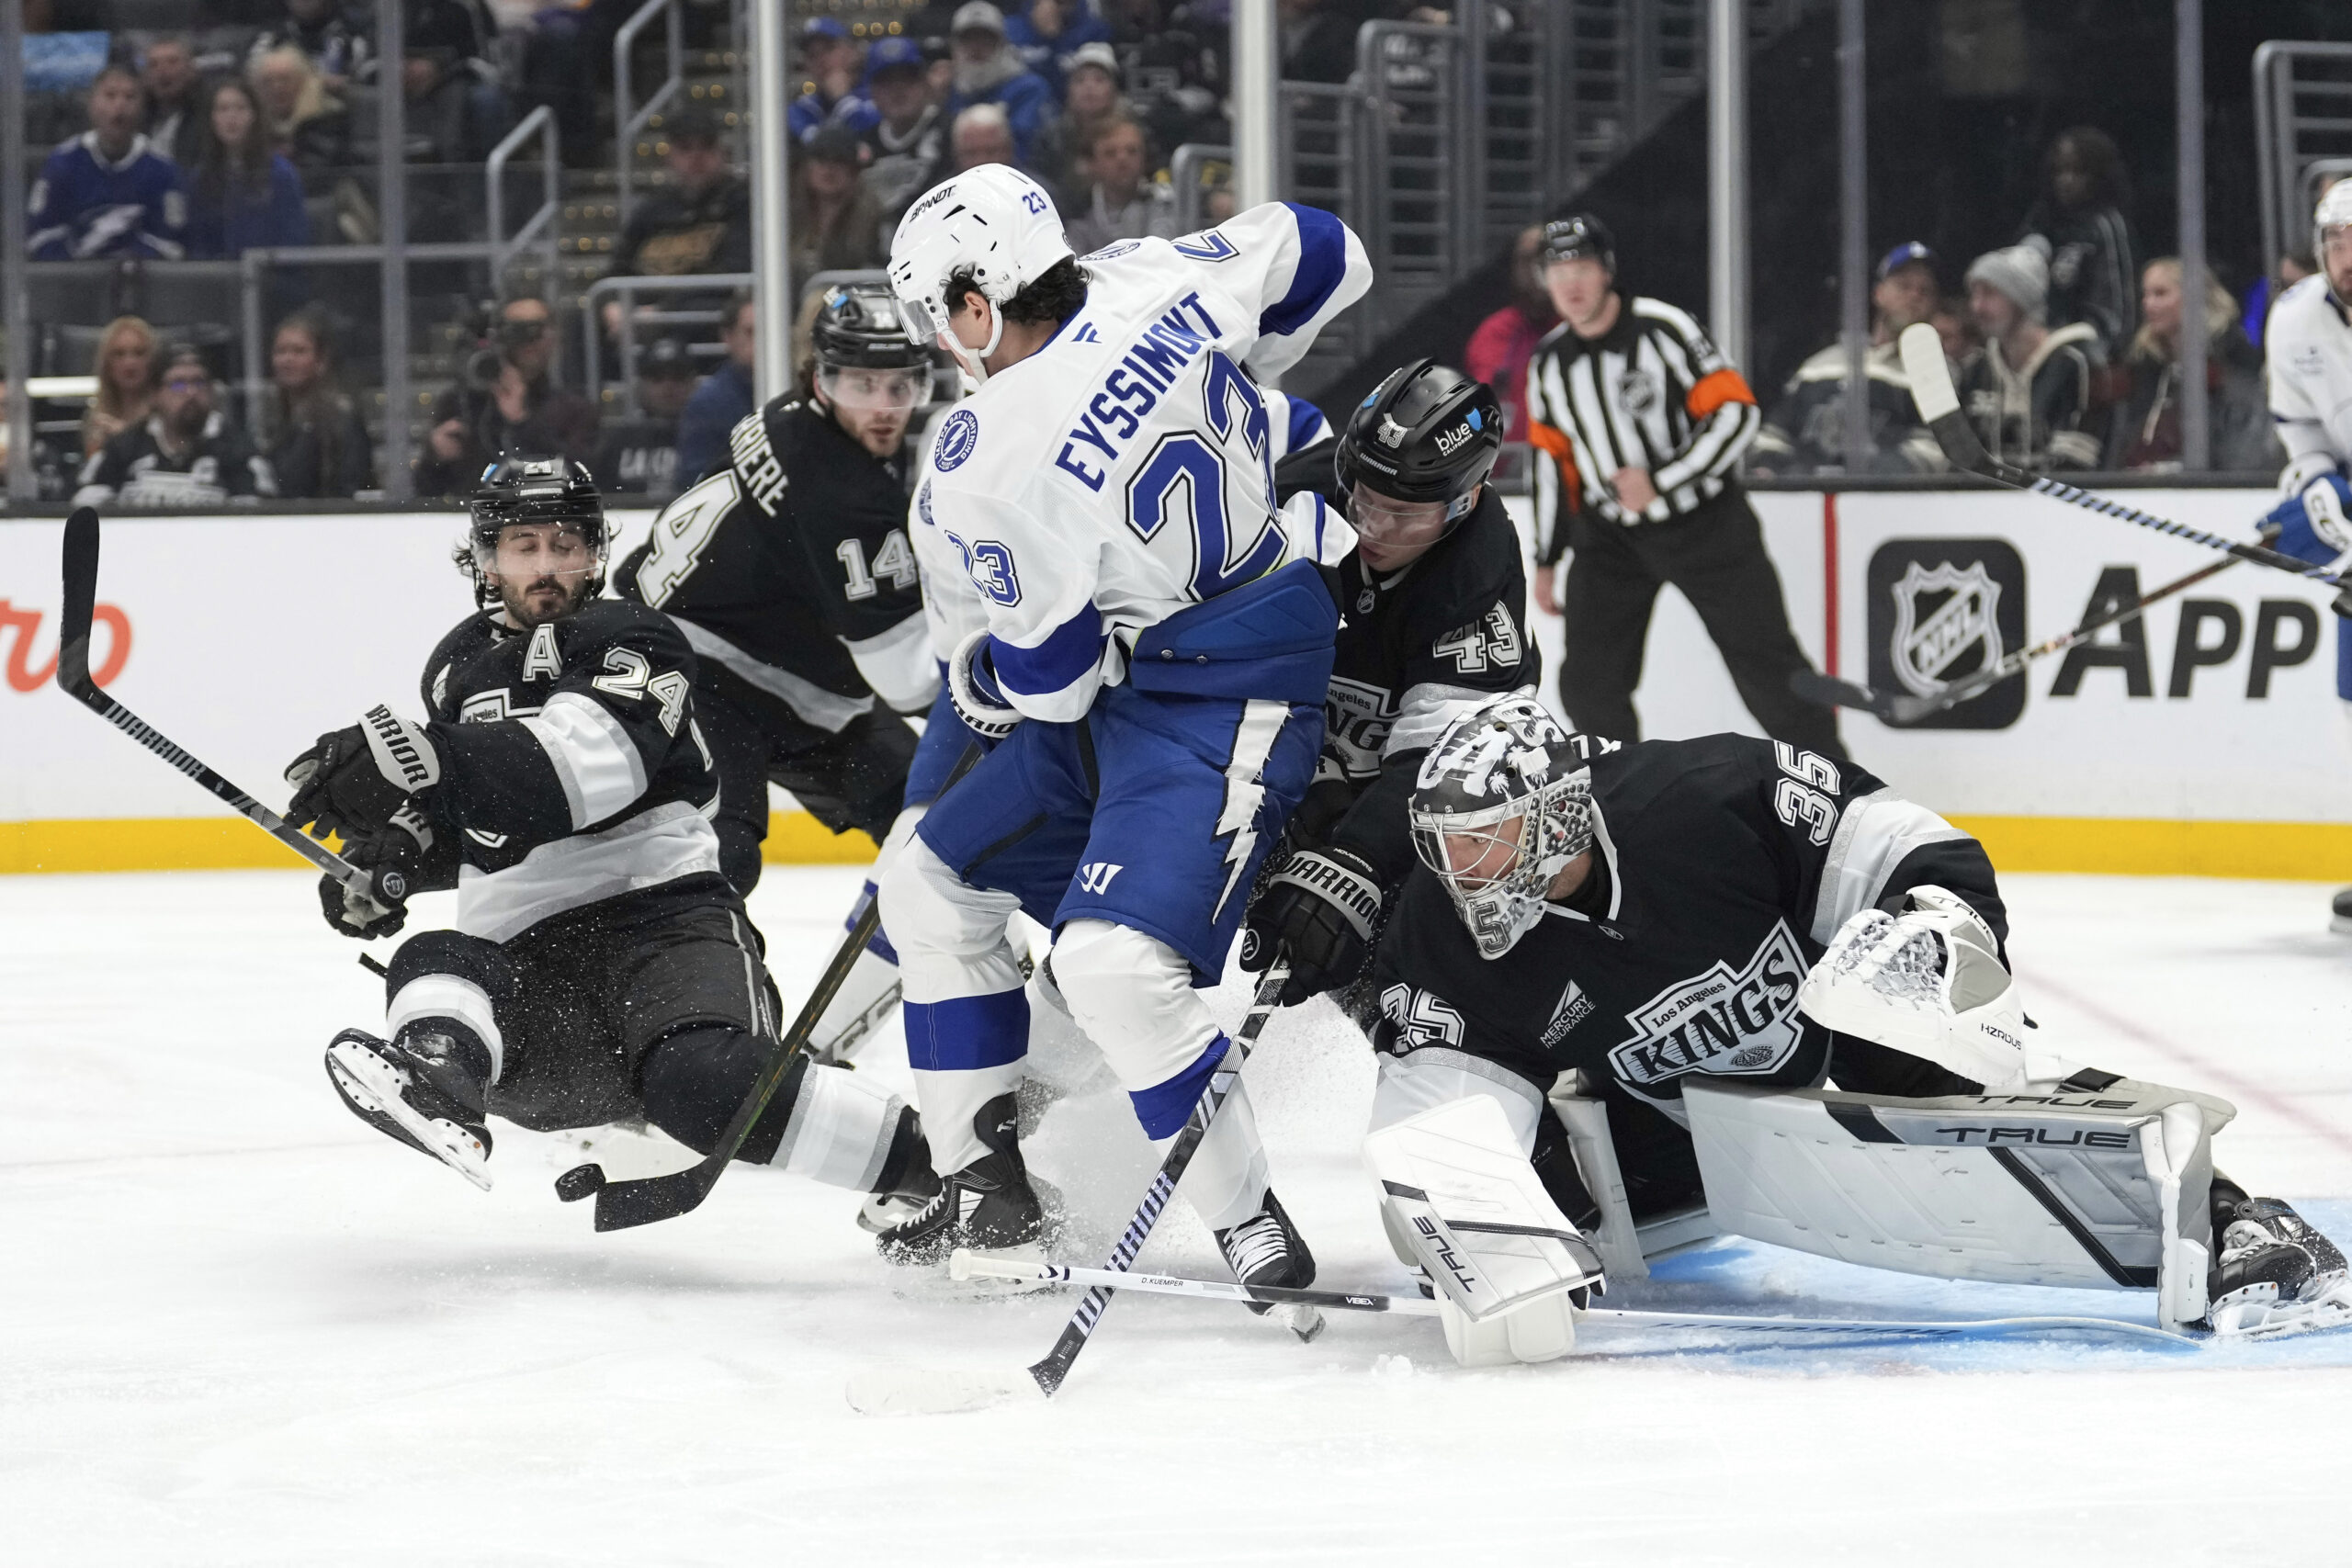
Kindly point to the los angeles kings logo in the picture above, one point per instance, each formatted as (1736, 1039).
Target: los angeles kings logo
(1741, 1023)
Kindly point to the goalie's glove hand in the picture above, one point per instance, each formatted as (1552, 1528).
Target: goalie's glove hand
(394, 859)
(354, 780)
(972, 688)
(1324, 904)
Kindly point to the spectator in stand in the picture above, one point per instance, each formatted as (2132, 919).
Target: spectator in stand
(125, 371)
(2079, 228)
(982, 135)
(48, 474)
(908, 143)
(1318, 39)
(1956, 329)
(989, 72)
(107, 192)
(2146, 434)
(339, 49)
(242, 196)
(1806, 431)
(519, 409)
(1120, 203)
(318, 443)
(1499, 349)
(2029, 390)
(640, 456)
(457, 110)
(699, 222)
(724, 399)
(309, 129)
(174, 110)
(836, 227)
(1048, 34)
(829, 59)
(185, 453)
(1091, 101)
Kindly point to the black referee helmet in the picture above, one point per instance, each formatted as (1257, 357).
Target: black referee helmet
(1580, 234)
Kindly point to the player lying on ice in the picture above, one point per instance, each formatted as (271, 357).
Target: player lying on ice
(1705, 931)
(601, 966)
(1151, 670)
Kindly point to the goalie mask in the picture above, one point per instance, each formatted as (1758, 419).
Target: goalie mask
(1502, 803)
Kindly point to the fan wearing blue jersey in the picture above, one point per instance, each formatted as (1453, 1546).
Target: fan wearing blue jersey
(1150, 666)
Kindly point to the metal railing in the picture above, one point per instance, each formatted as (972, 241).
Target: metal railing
(1186, 168)
(540, 121)
(632, 120)
(2302, 116)
(626, 290)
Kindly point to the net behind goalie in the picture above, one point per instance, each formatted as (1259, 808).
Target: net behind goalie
(1676, 917)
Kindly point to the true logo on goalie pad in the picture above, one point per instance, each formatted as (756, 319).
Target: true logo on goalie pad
(1723, 1021)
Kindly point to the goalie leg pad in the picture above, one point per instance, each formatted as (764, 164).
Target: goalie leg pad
(2102, 1187)
(1457, 1185)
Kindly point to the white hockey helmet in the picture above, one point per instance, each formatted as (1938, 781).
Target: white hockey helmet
(2334, 212)
(994, 224)
(1502, 803)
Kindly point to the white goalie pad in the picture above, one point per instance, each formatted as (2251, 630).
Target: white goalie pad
(1626, 1244)
(2102, 1187)
(1458, 1190)
(1930, 983)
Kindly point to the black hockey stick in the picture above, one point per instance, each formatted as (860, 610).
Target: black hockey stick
(1901, 708)
(642, 1200)
(1931, 388)
(910, 1391)
(384, 887)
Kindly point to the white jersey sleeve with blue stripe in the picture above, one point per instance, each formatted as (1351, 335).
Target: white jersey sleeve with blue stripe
(1124, 471)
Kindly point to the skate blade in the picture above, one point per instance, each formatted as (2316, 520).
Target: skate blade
(373, 1089)
(2270, 1318)
(882, 1210)
(923, 1391)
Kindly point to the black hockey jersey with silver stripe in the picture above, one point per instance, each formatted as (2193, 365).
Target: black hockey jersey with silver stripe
(1730, 862)
(570, 767)
(1651, 394)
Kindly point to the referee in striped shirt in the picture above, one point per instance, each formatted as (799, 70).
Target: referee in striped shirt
(1641, 420)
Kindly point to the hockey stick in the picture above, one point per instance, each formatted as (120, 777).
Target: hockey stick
(1901, 708)
(383, 887)
(642, 1200)
(912, 1391)
(1931, 388)
(968, 1265)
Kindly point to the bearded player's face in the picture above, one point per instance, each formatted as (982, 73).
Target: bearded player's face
(541, 572)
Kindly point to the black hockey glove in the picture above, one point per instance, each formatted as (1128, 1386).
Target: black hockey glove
(1325, 904)
(396, 860)
(354, 780)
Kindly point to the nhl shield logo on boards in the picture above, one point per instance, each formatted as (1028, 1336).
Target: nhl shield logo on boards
(1942, 610)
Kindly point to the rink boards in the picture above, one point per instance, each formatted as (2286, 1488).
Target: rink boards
(2211, 743)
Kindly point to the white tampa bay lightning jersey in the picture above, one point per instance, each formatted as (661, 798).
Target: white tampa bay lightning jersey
(1125, 470)
(2309, 341)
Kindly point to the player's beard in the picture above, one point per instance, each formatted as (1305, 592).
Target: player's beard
(543, 599)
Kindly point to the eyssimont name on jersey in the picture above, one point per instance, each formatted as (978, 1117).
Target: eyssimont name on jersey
(1132, 390)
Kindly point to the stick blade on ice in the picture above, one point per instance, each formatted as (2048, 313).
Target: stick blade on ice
(925, 1391)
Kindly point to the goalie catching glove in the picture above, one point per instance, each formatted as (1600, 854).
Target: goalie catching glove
(972, 688)
(1930, 983)
(353, 781)
(1325, 906)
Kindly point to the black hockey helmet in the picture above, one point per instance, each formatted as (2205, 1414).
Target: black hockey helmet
(517, 489)
(1580, 234)
(858, 325)
(1427, 434)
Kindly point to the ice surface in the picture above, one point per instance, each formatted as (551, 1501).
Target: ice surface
(239, 1327)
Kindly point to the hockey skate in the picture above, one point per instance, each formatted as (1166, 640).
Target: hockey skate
(990, 1205)
(2276, 1275)
(421, 1090)
(1266, 1249)
(2341, 921)
(904, 1197)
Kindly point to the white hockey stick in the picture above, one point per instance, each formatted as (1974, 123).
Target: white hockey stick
(967, 1265)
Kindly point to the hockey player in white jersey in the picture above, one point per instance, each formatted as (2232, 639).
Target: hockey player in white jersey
(1150, 667)
(2311, 401)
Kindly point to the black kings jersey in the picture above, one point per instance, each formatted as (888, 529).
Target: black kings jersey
(790, 569)
(1417, 648)
(1727, 864)
(570, 767)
